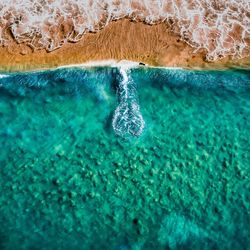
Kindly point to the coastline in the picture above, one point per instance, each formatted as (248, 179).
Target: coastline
(119, 64)
(154, 45)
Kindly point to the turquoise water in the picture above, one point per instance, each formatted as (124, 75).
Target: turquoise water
(69, 180)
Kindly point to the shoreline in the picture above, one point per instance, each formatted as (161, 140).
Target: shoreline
(115, 64)
(154, 45)
(94, 64)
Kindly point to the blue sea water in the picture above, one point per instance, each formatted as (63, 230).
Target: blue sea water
(106, 158)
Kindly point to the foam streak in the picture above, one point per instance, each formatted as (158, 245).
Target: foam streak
(127, 119)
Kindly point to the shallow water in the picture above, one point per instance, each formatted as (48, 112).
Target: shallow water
(203, 24)
(67, 181)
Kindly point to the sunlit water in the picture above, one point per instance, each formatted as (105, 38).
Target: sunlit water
(68, 180)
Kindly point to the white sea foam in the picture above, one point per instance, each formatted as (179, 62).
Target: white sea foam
(127, 119)
(3, 76)
(218, 26)
(90, 64)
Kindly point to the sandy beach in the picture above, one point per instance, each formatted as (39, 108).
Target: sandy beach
(155, 45)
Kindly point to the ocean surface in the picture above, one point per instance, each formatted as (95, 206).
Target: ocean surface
(112, 158)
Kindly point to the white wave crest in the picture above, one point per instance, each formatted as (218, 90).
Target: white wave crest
(220, 27)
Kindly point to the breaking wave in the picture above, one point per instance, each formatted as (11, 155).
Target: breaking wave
(220, 27)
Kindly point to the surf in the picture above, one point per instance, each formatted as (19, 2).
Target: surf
(218, 27)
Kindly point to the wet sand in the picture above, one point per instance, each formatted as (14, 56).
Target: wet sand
(155, 45)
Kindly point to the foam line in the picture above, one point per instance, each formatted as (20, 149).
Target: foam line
(102, 63)
(3, 76)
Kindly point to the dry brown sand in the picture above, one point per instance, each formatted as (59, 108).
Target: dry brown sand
(155, 45)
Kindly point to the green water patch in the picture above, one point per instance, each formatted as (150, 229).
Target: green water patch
(67, 181)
